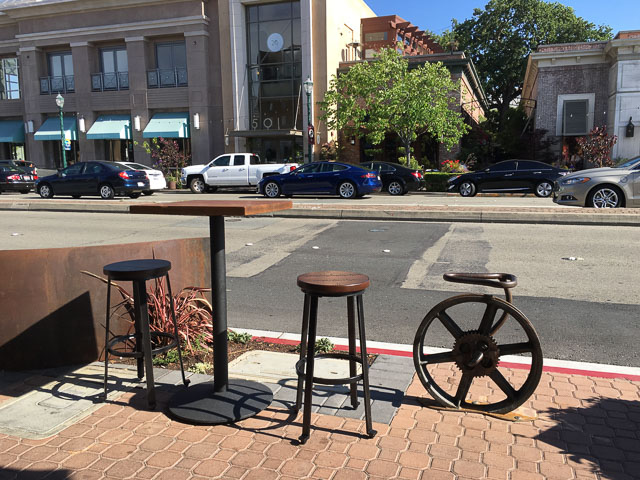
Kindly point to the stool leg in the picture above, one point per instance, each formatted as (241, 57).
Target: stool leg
(365, 369)
(143, 315)
(106, 337)
(352, 348)
(175, 331)
(308, 383)
(138, 332)
(303, 350)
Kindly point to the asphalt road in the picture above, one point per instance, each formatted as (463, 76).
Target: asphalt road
(577, 284)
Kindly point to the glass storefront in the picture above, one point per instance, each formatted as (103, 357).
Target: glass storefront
(275, 70)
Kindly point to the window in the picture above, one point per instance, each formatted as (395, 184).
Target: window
(114, 70)
(171, 62)
(9, 79)
(311, 168)
(60, 74)
(574, 121)
(375, 37)
(255, 160)
(74, 169)
(503, 166)
(238, 160)
(222, 161)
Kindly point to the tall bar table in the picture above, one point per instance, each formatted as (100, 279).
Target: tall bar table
(223, 400)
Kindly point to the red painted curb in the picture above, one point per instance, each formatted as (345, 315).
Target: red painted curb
(519, 366)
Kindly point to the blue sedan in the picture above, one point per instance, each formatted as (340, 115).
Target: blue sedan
(333, 178)
(106, 179)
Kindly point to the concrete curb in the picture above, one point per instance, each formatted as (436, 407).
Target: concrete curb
(530, 215)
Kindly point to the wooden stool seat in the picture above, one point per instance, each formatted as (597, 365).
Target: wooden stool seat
(332, 283)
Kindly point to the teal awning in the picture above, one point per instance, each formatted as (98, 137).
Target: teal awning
(50, 129)
(168, 125)
(110, 127)
(11, 131)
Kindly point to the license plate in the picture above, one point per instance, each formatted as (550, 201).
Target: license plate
(27, 177)
(141, 184)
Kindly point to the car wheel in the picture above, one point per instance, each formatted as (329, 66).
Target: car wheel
(148, 192)
(347, 190)
(134, 195)
(106, 191)
(197, 185)
(467, 189)
(605, 197)
(271, 190)
(544, 189)
(45, 190)
(395, 188)
(211, 189)
(75, 196)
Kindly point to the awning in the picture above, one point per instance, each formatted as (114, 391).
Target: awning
(168, 125)
(110, 127)
(265, 133)
(50, 129)
(11, 131)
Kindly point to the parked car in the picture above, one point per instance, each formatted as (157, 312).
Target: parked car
(14, 179)
(333, 178)
(28, 167)
(606, 187)
(396, 179)
(508, 176)
(106, 179)
(231, 170)
(156, 177)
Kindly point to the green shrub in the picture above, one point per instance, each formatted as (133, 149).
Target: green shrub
(199, 368)
(235, 337)
(436, 181)
(323, 345)
(166, 358)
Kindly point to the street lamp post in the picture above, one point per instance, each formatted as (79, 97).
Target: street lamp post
(60, 104)
(308, 89)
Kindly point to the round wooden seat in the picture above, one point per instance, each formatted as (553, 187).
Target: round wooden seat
(144, 269)
(332, 283)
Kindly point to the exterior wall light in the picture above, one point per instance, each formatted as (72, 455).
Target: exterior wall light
(81, 125)
(196, 121)
(136, 123)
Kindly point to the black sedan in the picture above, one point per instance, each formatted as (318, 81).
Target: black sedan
(14, 179)
(509, 176)
(106, 179)
(396, 179)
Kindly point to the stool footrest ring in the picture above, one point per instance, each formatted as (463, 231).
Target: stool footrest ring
(300, 370)
(154, 351)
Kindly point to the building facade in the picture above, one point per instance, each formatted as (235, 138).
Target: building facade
(215, 76)
(571, 88)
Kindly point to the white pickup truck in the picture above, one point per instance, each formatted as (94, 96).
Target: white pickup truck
(231, 170)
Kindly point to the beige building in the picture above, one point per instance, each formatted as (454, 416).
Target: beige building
(213, 75)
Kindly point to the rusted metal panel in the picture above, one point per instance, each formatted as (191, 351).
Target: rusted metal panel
(51, 314)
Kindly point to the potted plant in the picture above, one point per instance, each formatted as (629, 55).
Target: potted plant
(172, 181)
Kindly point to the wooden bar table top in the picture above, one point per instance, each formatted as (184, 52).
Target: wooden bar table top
(223, 400)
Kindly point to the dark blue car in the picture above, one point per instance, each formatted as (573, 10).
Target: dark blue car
(332, 178)
(106, 179)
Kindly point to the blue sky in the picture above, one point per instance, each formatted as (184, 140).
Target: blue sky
(436, 15)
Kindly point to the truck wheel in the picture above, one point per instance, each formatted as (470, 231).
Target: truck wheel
(197, 185)
(271, 190)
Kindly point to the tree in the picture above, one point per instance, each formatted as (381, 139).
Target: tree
(596, 147)
(166, 156)
(386, 95)
(500, 38)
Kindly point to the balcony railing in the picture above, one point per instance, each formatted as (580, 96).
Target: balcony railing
(109, 81)
(161, 78)
(50, 85)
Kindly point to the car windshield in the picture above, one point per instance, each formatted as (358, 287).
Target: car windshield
(9, 168)
(629, 164)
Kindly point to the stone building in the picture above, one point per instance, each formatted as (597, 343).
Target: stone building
(215, 76)
(571, 88)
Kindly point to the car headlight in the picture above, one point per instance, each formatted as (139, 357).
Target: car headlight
(573, 181)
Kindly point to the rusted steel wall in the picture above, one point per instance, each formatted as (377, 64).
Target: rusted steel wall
(51, 314)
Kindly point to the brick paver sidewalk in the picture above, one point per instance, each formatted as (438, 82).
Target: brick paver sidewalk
(587, 427)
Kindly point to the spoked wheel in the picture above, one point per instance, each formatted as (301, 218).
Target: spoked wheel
(476, 353)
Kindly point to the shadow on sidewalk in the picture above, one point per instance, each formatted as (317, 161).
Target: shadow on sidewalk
(10, 473)
(602, 438)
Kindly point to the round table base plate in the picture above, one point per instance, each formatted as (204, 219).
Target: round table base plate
(200, 405)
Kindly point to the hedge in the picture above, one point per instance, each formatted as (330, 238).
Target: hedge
(437, 181)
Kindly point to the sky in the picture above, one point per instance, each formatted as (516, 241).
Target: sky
(436, 15)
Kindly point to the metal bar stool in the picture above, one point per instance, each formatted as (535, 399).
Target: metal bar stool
(332, 284)
(138, 272)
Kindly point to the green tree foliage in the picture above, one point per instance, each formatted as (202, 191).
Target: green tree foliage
(500, 38)
(385, 95)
